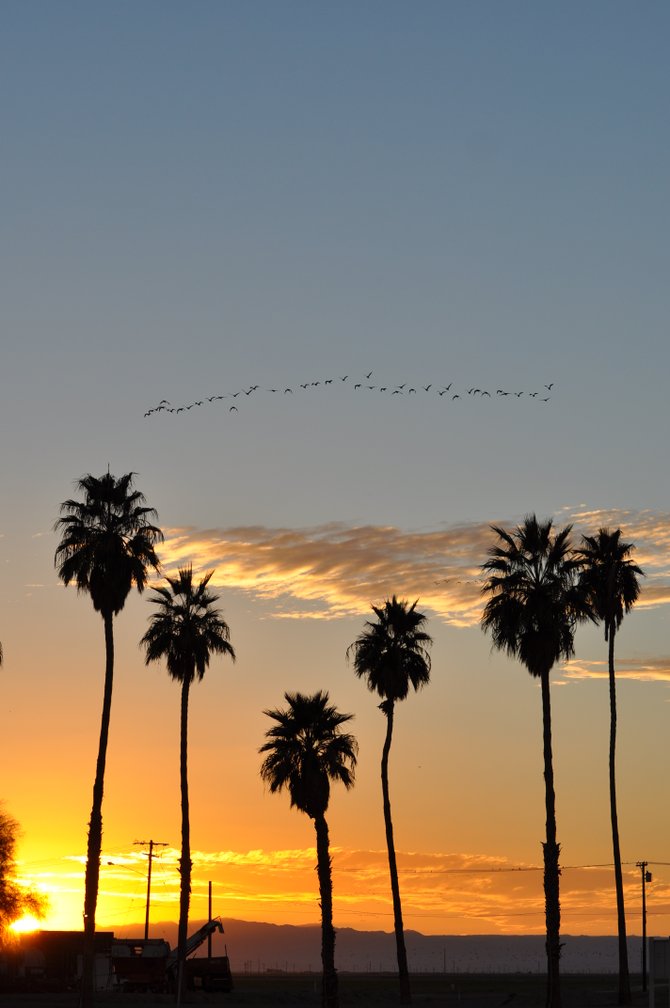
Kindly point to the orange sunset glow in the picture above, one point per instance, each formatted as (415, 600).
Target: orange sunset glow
(312, 310)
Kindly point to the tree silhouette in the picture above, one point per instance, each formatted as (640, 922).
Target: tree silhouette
(609, 579)
(531, 613)
(186, 631)
(106, 547)
(306, 751)
(15, 900)
(392, 655)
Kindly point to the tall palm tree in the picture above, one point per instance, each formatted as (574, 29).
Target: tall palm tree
(107, 546)
(532, 609)
(186, 630)
(392, 655)
(306, 751)
(610, 580)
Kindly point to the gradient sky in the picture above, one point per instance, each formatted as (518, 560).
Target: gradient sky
(201, 198)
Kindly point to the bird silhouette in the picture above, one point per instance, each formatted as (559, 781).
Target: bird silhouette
(400, 389)
(231, 408)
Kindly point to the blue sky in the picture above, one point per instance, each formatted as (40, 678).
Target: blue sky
(201, 198)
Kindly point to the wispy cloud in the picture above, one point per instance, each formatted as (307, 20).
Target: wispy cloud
(334, 570)
(655, 669)
(442, 892)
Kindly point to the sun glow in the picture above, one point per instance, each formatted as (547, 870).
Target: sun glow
(25, 924)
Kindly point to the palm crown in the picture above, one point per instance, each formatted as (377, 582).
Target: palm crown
(609, 577)
(533, 602)
(107, 540)
(186, 630)
(306, 750)
(392, 654)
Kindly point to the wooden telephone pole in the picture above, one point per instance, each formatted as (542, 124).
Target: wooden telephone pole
(646, 877)
(150, 844)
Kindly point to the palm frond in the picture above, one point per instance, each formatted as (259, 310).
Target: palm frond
(306, 750)
(392, 653)
(533, 600)
(186, 630)
(107, 540)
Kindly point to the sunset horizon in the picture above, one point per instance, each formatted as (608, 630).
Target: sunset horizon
(325, 324)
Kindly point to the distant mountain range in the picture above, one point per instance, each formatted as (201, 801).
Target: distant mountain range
(257, 947)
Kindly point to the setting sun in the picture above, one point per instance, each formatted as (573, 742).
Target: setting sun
(26, 923)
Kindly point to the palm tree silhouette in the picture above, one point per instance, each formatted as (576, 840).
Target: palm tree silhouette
(306, 750)
(531, 613)
(106, 547)
(610, 580)
(186, 631)
(392, 655)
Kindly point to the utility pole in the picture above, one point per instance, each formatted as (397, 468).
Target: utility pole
(150, 844)
(209, 936)
(646, 877)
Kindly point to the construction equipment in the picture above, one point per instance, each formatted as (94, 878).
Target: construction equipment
(150, 965)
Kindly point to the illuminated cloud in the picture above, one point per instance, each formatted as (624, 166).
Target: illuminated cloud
(442, 892)
(640, 669)
(335, 570)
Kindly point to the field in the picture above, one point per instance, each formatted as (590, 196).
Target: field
(378, 991)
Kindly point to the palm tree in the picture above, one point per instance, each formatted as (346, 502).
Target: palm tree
(392, 655)
(186, 631)
(306, 751)
(531, 613)
(106, 547)
(610, 580)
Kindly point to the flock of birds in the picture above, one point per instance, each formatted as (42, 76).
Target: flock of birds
(363, 384)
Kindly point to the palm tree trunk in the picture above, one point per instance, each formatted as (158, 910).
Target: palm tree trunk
(551, 853)
(185, 861)
(329, 992)
(403, 971)
(95, 825)
(624, 977)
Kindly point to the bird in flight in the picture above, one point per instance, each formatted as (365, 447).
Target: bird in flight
(402, 388)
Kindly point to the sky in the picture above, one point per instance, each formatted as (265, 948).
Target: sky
(226, 199)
